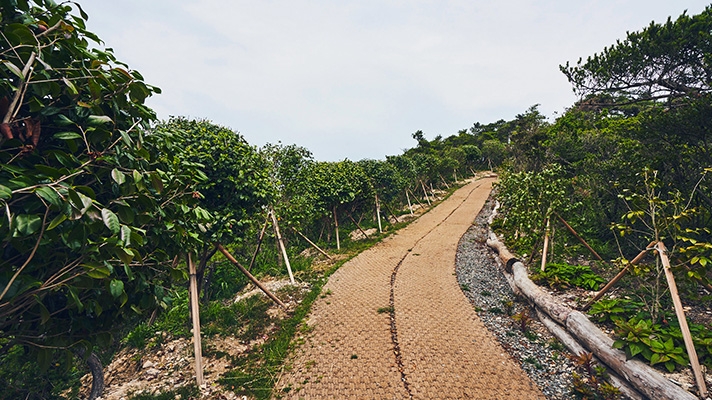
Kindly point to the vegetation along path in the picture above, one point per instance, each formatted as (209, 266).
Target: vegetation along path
(393, 323)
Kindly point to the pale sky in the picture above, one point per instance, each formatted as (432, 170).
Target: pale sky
(354, 79)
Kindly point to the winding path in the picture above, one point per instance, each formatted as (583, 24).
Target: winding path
(392, 323)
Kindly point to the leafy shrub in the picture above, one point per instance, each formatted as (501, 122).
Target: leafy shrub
(612, 310)
(566, 275)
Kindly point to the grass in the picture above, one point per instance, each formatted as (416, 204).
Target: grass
(185, 392)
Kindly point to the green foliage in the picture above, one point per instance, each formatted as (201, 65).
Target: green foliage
(88, 231)
(528, 198)
(612, 310)
(187, 392)
(237, 184)
(589, 379)
(663, 61)
(566, 275)
(655, 344)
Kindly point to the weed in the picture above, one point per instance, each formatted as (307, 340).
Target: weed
(354, 356)
(465, 287)
(523, 319)
(183, 392)
(561, 276)
(533, 361)
(495, 310)
(384, 310)
(486, 293)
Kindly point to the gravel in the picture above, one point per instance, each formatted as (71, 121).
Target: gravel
(479, 273)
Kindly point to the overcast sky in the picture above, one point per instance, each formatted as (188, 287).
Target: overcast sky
(354, 79)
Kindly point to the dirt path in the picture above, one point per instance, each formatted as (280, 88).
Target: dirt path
(393, 323)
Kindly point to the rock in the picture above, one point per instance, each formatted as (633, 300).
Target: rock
(147, 365)
(152, 372)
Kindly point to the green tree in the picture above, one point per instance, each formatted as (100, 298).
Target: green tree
(88, 205)
(663, 61)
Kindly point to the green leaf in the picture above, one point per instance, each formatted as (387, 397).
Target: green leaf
(5, 192)
(97, 271)
(118, 176)
(116, 287)
(26, 224)
(99, 120)
(110, 220)
(126, 235)
(56, 221)
(13, 68)
(67, 135)
(50, 195)
(72, 89)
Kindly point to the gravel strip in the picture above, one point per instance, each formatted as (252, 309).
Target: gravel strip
(541, 356)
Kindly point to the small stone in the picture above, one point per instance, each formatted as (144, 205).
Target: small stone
(147, 365)
(152, 372)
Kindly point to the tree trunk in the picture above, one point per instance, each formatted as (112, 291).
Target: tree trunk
(97, 376)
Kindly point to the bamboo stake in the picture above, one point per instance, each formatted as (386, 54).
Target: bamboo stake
(250, 277)
(454, 174)
(311, 243)
(425, 192)
(391, 212)
(432, 191)
(357, 225)
(545, 252)
(195, 314)
(259, 242)
(682, 320)
(410, 206)
(443, 179)
(577, 236)
(282, 247)
(474, 174)
(618, 277)
(378, 214)
(415, 197)
(336, 224)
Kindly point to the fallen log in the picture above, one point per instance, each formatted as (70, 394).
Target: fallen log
(645, 379)
(567, 340)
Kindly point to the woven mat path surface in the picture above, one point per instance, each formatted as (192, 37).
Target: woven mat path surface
(425, 343)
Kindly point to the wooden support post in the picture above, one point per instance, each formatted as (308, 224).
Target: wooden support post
(454, 173)
(682, 320)
(391, 212)
(357, 225)
(336, 225)
(425, 192)
(545, 252)
(282, 247)
(195, 314)
(577, 236)
(259, 242)
(410, 206)
(443, 179)
(474, 174)
(311, 243)
(378, 214)
(250, 277)
(416, 198)
(618, 277)
(432, 190)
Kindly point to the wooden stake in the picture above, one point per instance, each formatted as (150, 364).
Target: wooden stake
(545, 252)
(415, 197)
(682, 320)
(282, 247)
(577, 236)
(391, 212)
(378, 214)
(311, 243)
(410, 206)
(357, 225)
(195, 314)
(336, 224)
(250, 277)
(425, 192)
(259, 242)
(443, 179)
(618, 277)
